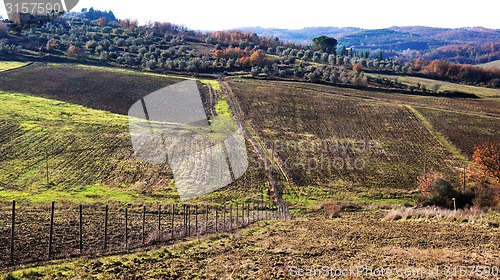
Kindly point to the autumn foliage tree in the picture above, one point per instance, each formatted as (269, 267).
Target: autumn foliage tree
(462, 72)
(74, 50)
(487, 158)
(485, 175)
(257, 58)
(128, 24)
(357, 67)
(101, 21)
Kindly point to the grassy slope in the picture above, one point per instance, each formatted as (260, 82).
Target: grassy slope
(268, 250)
(87, 150)
(437, 135)
(9, 65)
(90, 157)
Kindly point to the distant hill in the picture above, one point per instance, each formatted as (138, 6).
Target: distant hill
(302, 36)
(404, 42)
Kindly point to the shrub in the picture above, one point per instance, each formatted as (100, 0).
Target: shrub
(436, 190)
(333, 209)
(485, 195)
(428, 213)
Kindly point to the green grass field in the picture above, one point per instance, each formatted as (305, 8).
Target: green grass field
(482, 92)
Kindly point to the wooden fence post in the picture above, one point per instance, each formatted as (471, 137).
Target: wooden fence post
(172, 222)
(206, 218)
(105, 246)
(248, 213)
(184, 221)
(243, 214)
(196, 219)
(230, 216)
(51, 231)
(159, 222)
(80, 243)
(236, 214)
(126, 228)
(216, 218)
(253, 211)
(189, 220)
(12, 231)
(224, 218)
(143, 228)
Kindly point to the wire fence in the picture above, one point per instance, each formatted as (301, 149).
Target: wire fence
(39, 233)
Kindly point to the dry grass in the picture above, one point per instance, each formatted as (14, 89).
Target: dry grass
(473, 215)
(333, 209)
(268, 250)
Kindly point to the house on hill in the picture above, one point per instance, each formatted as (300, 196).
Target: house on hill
(27, 18)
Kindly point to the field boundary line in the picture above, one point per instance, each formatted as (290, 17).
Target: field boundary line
(437, 135)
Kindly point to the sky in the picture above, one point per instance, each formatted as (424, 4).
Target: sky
(230, 14)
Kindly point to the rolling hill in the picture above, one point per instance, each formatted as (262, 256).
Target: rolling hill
(495, 63)
(342, 142)
(65, 136)
(406, 42)
(363, 147)
(358, 143)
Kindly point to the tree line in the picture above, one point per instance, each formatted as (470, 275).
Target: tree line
(165, 46)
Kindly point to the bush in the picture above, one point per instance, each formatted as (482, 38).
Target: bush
(485, 194)
(332, 209)
(437, 191)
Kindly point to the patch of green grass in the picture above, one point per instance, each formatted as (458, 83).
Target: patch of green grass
(32, 112)
(9, 65)
(124, 71)
(80, 147)
(222, 108)
(89, 155)
(214, 84)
